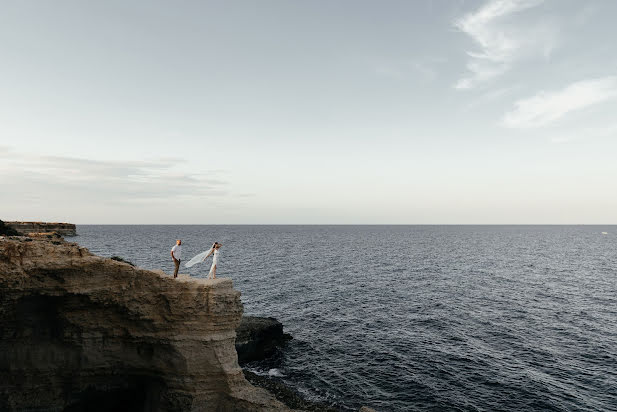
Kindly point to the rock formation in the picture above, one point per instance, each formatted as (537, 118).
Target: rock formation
(258, 338)
(287, 395)
(64, 229)
(6, 230)
(82, 332)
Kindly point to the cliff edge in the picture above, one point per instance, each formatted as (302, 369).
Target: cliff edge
(82, 332)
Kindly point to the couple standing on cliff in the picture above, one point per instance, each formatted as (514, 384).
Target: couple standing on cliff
(176, 254)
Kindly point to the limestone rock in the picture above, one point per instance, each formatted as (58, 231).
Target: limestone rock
(82, 332)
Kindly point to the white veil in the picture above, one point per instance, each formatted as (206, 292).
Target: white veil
(197, 259)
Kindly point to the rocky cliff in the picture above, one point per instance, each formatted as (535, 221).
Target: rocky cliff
(81, 332)
(65, 229)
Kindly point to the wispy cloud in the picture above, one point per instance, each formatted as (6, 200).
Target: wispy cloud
(106, 181)
(490, 97)
(547, 107)
(501, 39)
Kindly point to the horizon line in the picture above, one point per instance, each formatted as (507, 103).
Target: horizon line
(344, 224)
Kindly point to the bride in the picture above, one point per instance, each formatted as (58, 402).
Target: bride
(214, 251)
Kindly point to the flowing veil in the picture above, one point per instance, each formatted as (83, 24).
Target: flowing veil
(197, 259)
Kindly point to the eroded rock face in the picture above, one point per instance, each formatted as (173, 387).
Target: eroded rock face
(64, 229)
(81, 332)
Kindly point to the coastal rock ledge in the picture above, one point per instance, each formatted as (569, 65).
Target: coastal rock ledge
(64, 229)
(80, 332)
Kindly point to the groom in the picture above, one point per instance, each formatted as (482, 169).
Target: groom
(176, 254)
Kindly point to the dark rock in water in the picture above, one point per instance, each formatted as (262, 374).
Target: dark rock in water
(285, 394)
(258, 338)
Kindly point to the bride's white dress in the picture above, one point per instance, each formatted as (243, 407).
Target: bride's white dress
(215, 260)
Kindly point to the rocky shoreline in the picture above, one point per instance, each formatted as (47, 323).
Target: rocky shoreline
(286, 394)
(259, 338)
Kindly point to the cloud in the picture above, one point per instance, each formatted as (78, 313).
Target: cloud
(490, 97)
(117, 182)
(501, 39)
(545, 108)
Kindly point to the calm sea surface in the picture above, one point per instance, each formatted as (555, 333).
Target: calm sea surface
(406, 318)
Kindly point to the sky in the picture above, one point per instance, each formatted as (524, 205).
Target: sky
(309, 112)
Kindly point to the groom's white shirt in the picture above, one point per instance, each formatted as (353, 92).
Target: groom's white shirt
(177, 251)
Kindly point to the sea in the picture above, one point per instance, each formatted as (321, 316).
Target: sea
(417, 318)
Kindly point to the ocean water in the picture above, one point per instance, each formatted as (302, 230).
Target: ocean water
(401, 318)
